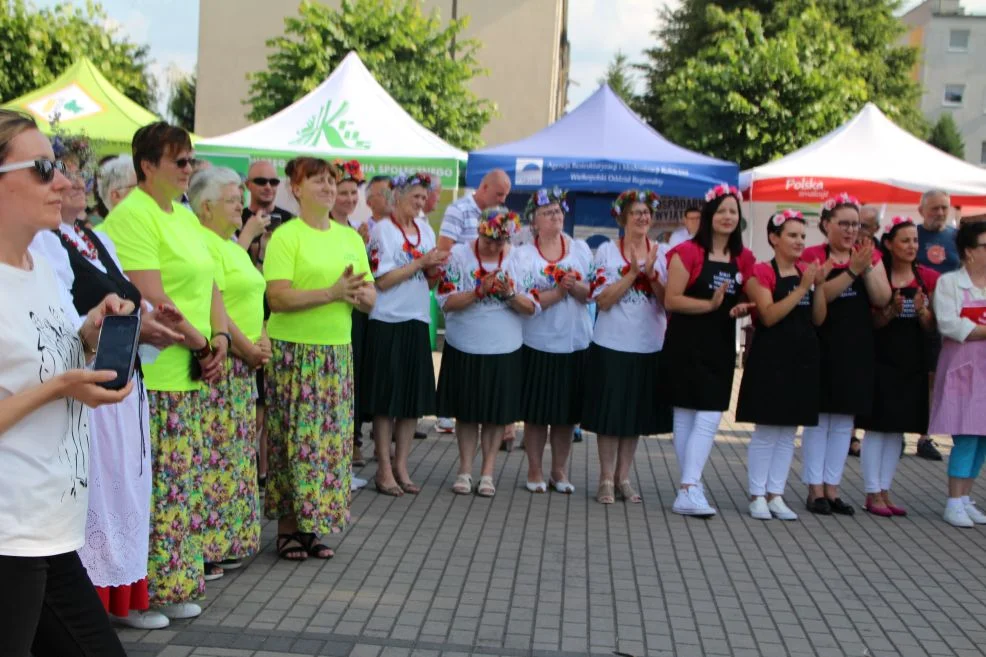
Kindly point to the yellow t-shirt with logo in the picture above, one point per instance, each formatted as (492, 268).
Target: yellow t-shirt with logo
(148, 238)
(242, 286)
(314, 259)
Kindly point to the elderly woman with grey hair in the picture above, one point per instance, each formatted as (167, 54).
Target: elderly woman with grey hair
(231, 523)
(115, 179)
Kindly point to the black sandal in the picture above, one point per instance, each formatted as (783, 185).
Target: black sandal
(840, 507)
(819, 505)
(315, 549)
(285, 550)
(855, 447)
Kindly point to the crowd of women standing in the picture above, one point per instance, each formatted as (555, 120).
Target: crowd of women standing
(841, 339)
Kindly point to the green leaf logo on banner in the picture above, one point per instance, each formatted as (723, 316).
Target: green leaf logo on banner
(336, 131)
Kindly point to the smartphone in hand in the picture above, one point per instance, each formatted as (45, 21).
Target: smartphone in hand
(117, 348)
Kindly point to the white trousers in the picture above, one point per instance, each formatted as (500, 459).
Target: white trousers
(694, 434)
(824, 449)
(769, 458)
(879, 455)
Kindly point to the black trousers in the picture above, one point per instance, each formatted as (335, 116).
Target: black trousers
(49, 608)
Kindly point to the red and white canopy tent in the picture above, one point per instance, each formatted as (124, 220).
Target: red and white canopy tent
(869, 157)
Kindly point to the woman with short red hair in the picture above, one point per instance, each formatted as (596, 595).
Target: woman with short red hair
(317, 272)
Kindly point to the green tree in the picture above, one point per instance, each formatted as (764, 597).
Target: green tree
(871, 27)
(181, 104)
(750, 98)
(621, 78)
(945, 136)
(38, 44)
(409, 53)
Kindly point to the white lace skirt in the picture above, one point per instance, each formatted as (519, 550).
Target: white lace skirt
(118, 523)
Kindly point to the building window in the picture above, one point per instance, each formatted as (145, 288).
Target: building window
(953, 95)
(958, 40)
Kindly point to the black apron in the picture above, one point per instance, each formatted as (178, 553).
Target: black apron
(781, 379)
(846, 340)
(900, 396)
(91, 285)
(701, 349)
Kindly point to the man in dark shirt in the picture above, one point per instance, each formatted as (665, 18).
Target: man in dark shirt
(261, 217)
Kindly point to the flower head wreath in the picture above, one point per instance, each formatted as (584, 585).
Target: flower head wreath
(778, 220)
(405, 180)
(498, 223)
(721, 190)
(897, 222)
(631, 196)
(64, 145)
(350, 170)
(543, 197)
(841, 199)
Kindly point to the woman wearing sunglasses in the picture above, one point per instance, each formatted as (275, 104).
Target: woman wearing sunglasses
(49, 607)
(856, 282)
(160, 245)
(958, 405)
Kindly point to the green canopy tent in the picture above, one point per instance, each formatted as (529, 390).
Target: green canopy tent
(86, 103)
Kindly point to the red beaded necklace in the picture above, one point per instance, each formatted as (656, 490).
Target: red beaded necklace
(537, 245)
(84, 245)
(404, 234)
(482, 270)
(623, 255)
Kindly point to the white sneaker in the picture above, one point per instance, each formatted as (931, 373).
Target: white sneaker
(780, 510)
(142, 620)
(357, 483)
(445, 425)
(974, 513)
(958, 517)
(180, 610)
(759, 509)
(692, 502)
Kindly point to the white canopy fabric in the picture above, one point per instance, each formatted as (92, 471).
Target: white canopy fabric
(348, 116)
(869, 157)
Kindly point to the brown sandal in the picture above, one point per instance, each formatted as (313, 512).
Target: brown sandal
(628, 493)
(393, 491)
(605, 494)
(409, 487)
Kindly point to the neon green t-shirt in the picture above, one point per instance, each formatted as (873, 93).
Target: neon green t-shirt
(313, 259)
(147, 238)
(241, 284)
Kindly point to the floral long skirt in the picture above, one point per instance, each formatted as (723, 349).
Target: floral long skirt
(309, 431)
(175, 567)
(228, 476)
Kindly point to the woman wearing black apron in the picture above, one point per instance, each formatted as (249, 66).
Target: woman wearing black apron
(900, 399)
(705, 280)
(780, 388)
(856, 280)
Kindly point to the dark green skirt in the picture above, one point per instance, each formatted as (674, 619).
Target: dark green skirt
(358, 337)
(483, 388)
(552, 392)
(621, 394)
(398, 377)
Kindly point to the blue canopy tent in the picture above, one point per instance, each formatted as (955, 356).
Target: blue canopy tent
(601, 147)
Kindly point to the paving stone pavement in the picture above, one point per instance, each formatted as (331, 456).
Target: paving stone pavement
(441, 575)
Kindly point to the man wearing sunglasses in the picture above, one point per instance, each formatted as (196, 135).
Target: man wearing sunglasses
(261, 215)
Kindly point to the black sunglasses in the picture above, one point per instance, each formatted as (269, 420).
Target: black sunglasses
(44, 168)
(183, 162)
(260, 182)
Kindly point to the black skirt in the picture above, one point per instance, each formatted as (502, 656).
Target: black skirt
(621, 394)
(397, 360)
(552, 393)
(358, 337)
(480, 388)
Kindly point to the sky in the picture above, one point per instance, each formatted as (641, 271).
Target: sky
(597, 30)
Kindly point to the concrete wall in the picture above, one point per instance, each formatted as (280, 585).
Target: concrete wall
(522, 49)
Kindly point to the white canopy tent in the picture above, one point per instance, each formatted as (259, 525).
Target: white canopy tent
(869, 157)
(348, 116)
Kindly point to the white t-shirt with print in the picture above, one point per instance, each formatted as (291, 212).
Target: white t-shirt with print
(566, 326)
(489, 325)
(388, 251)
(44, 458)
(637, 322)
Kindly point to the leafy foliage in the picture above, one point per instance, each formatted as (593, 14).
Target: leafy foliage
(39, 44)
(945, 136)
(621, 78)
(181, 104)
(409, 53)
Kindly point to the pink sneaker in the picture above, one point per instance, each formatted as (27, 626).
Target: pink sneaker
(882, 511)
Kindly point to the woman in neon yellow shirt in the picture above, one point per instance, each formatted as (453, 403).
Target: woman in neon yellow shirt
(232, 520)
(317, 272)
(159, 243)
